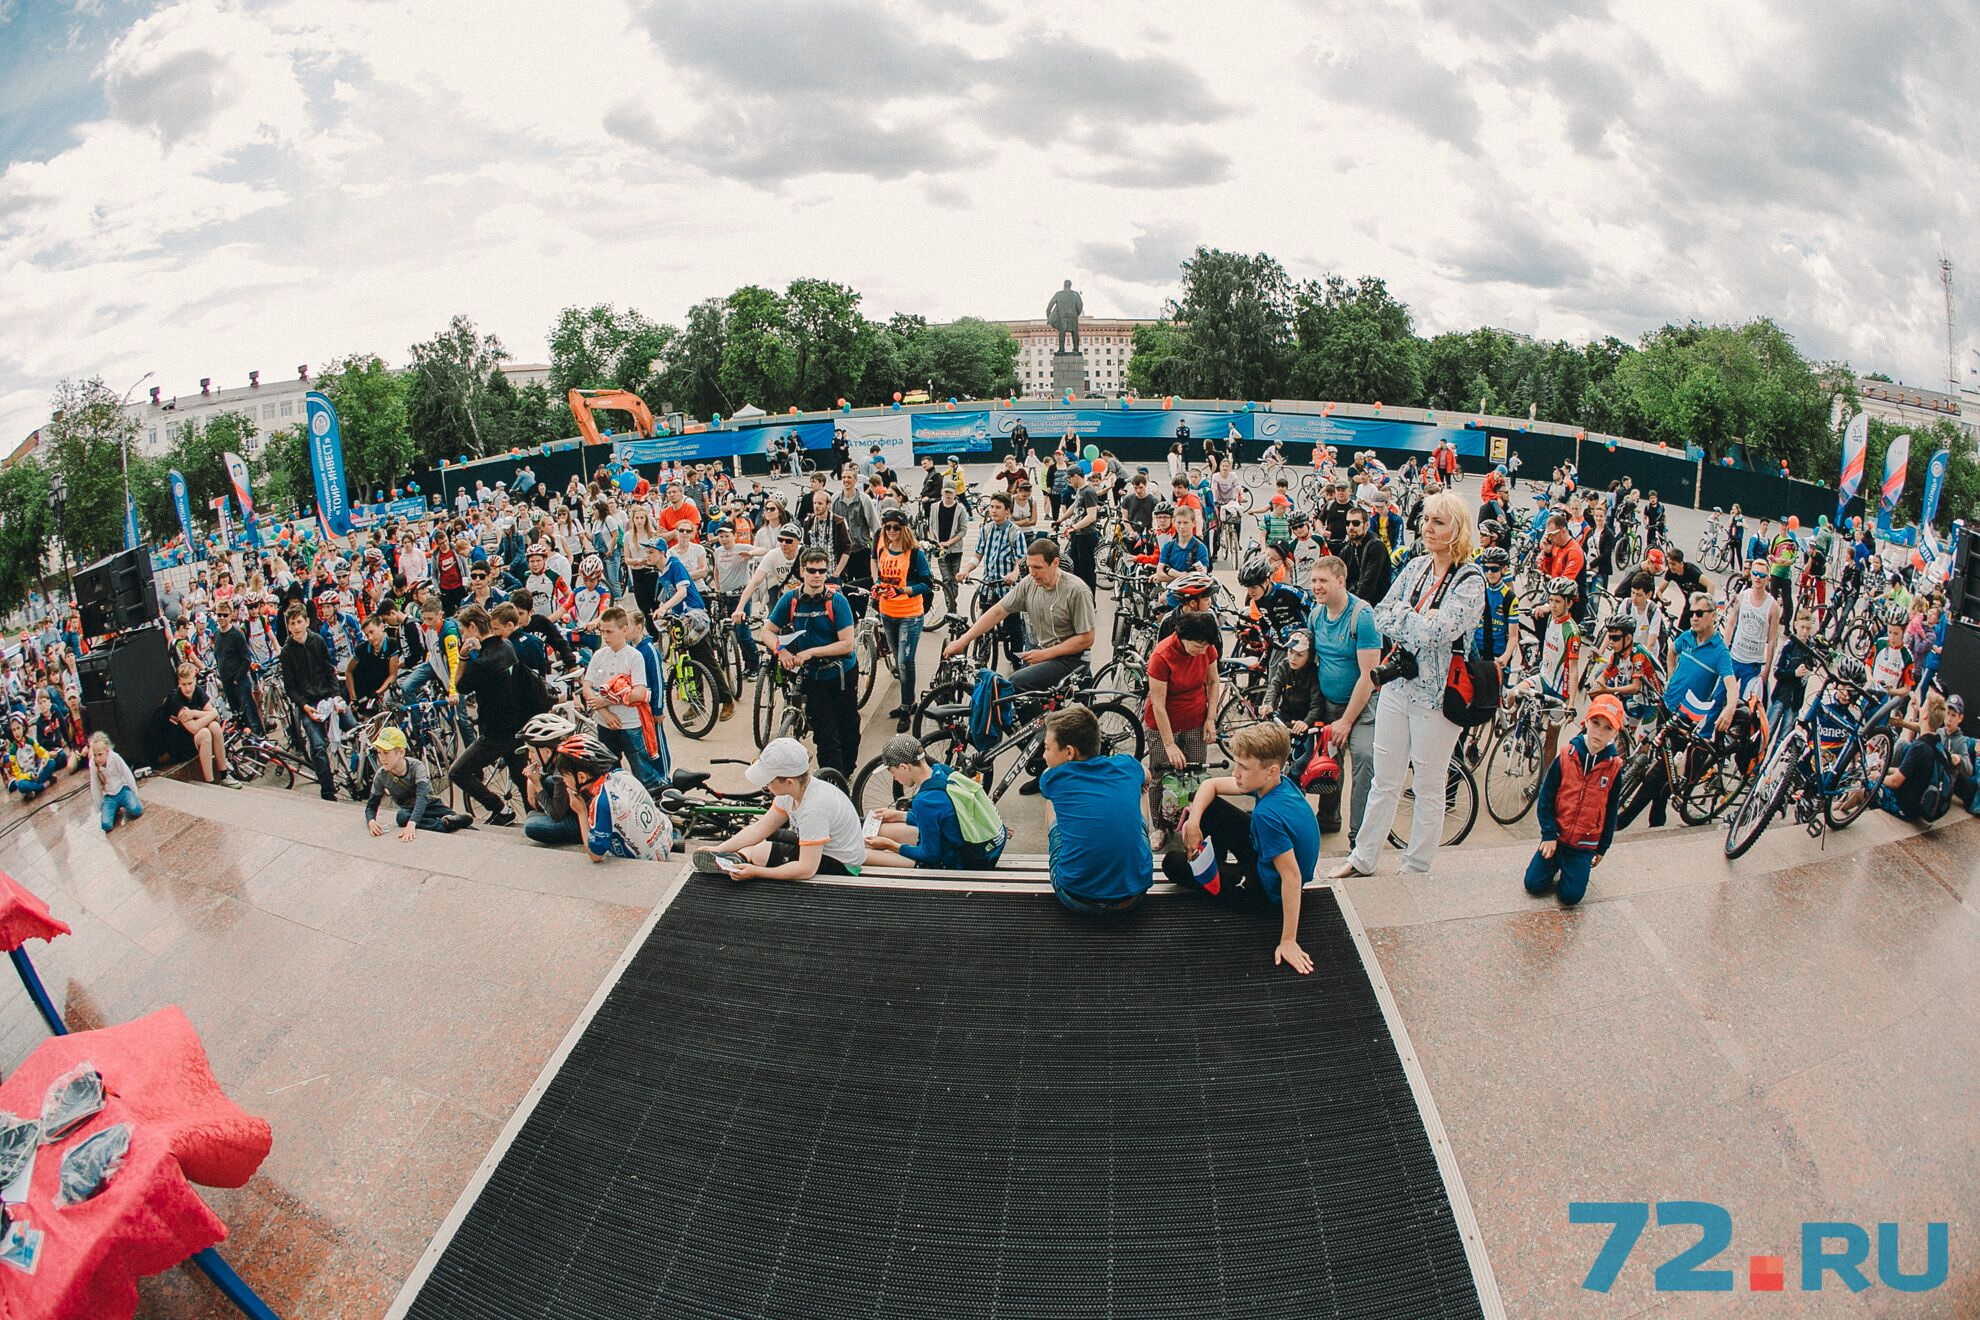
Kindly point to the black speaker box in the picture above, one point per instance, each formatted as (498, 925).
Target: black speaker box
(1963, 587)
(123, 685)
(1959, 666)
(117, 593)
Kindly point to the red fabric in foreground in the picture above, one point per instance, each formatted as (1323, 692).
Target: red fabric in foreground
(148, 1219)
(24, 917)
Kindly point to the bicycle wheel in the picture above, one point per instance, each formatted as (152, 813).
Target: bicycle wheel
(440, 746)
(769, 697)
(1236, 711)
(935, 609)
(1857, 640)
(1460, 807)
(1128, 677)
(278, 770)
(1859, 786)
(1756, 810)
(1512, 774)
(868, 648)
(942, 694)
(1633, 784)
(1254, 477)
(691, 701)
(1120, 729)
(1713, 783)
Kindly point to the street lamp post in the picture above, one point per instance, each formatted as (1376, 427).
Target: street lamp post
(59, 489)
(124, 444)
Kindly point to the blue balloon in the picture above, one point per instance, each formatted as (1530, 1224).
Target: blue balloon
(628, 481)
(1086, 466)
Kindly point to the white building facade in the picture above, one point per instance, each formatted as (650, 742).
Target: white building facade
(1107, 344)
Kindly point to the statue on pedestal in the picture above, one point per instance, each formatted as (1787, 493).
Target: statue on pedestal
(1062, 314)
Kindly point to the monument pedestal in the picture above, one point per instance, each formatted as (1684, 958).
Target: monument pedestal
(1068, 373)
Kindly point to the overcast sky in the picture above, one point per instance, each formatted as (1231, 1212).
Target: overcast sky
(201, 188)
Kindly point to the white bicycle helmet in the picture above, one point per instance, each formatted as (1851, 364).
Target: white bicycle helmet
(547, 729)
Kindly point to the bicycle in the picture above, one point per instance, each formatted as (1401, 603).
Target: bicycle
(691, 685)
(1827, 768)
(1703, 775)
(1460, 805)
(1120, 733)
(1714, 553)
(1513, 768)
(255, 756)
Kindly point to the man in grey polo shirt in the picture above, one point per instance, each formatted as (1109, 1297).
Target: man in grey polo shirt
(1057, 607)
(1346, 648)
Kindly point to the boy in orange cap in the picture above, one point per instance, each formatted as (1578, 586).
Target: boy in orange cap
(1577, 806)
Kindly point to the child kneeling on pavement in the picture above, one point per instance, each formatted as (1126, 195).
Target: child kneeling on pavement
(950, 821)
(407, 781)
(1577, 805)
(1267, 853)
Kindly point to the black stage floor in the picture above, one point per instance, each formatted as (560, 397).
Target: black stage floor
(827, 1101)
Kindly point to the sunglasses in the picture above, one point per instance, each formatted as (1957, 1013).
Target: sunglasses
(813, 569)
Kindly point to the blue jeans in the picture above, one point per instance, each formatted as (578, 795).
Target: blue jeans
(904, 638)
(414, 679)
(539, 828)
(1087, 907)
(124, 800)
(41, 781)
(653, 773)
(1570, 865)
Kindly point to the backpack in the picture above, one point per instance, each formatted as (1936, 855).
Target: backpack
(1937, 799)
(989, 709)
(982, 828)
(1471, 684)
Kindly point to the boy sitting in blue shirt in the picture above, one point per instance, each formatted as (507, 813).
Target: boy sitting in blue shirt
(1276, 844)
(1101, 861)
(931, 832)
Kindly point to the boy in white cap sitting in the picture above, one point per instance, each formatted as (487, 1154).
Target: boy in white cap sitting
(812, 827)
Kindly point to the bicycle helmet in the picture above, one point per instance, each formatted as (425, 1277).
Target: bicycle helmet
(1254, 573)
(591, 564)
(1562, 586)
(1494, 556)
(1190, 586)
(1622, 623)
(584, 754)
(539, 550)
(1492, 528)
(1850, 671)
(1164, 509)
(547, 729)
(1298, 521)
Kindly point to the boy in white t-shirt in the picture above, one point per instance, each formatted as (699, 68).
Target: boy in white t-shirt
(812, 827)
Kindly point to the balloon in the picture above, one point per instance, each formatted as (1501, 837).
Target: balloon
(443, 462)
(1612, 444)
(1090, 452)
(897, 396)
(952, 398)
(1086, 466)
(952, 405)
(897, 405)
(1378, 405)
(1099, 467)
(413, 486)
(1124, 405)
(793, 411)
(842, 403)
(1168, 402)
(715, 419)
(1247, 405)
(1327, 411)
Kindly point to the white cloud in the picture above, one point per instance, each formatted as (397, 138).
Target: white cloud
(297, 179)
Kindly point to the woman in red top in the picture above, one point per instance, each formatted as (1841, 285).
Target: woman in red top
(1182, 705)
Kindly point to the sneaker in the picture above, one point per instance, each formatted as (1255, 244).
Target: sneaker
(901, 711)
(708, 861)
(1030, 788)
(502, 817)
(226, 780)
(728, 711)
(902, 721)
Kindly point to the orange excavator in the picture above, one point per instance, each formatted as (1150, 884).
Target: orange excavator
(585, 402)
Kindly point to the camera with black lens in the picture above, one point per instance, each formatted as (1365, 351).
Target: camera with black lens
(1395, 665)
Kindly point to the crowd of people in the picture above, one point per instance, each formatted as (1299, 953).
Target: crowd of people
(550, 615)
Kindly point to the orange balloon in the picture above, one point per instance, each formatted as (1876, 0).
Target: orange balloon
(1099, 467)
(897, 396)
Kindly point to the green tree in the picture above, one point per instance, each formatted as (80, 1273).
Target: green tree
(1235, 318)
(370, 399)
(1156, 345)
(447, 396)
(603, 348)
(898, 360)
(759, 360)
(830, 342)
(27, 530)
(282, 478)
(542, 417)
(693, 373)
(968, 359)
(85, 441)
(1353, 342)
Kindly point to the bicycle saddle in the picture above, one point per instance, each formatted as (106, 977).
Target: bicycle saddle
(688, 779)
(947, 712)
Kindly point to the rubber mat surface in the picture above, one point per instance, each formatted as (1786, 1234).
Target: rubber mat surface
(822, 1102)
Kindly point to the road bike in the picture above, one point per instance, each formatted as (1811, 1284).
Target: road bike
(1514, 766)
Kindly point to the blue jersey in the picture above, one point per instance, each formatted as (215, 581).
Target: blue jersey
(1698, 678)
(1502, 604)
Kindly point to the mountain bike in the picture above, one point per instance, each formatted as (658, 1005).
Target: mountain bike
(692, 688)
(1702, 774)
(254, 756)
(1826, 769)
(1120, 732)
